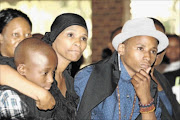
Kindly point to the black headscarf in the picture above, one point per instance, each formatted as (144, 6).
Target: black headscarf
(62, 22)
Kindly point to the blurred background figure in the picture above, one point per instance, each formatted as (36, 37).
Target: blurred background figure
(38, 35)
(107, 52)
(172, 70)
(113, 34)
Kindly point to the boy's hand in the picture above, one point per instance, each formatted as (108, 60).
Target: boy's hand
(45, 101)
(141, 83)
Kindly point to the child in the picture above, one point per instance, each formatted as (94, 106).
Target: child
(36, 61)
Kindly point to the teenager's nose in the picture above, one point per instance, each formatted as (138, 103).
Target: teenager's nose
(147, 56)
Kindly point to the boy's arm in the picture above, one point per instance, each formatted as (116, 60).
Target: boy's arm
(10, 77)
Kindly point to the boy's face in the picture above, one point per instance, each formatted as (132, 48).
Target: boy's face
(39, 68)
(138, 53)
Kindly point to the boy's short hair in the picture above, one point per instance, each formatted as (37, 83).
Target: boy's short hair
(33, 45)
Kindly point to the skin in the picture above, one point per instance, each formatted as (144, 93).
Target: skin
(173, 50)
(13, 33)
(142, 50)
(73, 41)
(39, 69)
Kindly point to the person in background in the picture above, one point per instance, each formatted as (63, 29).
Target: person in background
(171, 108)
(68, 37)
(15, 26)
(107, 52)
(172, 70)
(119, 87)
(37, 65)
(113, 34)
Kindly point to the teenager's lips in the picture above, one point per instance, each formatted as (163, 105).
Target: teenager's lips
(144, 66)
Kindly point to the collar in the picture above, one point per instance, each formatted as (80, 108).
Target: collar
(103, 81)
(172, 66)
(124, 74)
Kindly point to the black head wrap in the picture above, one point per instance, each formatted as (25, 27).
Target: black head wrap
(62, 22)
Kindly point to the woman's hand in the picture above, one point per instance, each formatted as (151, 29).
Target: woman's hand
(45, 101)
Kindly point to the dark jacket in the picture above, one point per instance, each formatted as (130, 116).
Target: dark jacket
(167, 89)
(105, 70)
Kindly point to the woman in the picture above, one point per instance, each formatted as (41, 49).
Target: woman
(14, 27)
(68, 38)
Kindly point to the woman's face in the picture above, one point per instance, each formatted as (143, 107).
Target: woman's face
(13, 33)
(71, 43)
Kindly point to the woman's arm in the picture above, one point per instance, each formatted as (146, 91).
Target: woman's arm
(9, 76)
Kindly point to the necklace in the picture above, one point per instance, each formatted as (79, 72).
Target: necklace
(120, 106)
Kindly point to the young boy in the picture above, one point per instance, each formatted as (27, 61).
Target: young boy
(36, 61)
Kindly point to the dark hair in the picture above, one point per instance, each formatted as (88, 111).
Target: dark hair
(9, 14)
(106, 53)
(173, 36)
(157, 22)
(114, 32)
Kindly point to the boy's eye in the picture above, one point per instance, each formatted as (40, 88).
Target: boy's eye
(45, 73)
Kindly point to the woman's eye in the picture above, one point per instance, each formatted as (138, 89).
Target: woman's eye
(70, 35)
(15, 34)
(84, 38)
(140, 48)
(28, 35)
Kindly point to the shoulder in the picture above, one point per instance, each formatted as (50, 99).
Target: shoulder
(83, 73)
(81, 79)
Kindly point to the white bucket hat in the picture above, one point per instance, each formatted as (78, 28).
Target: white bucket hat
(140, 27)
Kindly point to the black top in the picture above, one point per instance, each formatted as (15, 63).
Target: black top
(172, 98)
(66, 107)
(171, 76)
(7, 61)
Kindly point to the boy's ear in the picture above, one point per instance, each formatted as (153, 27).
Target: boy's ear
(121, 49)
(21, 69)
